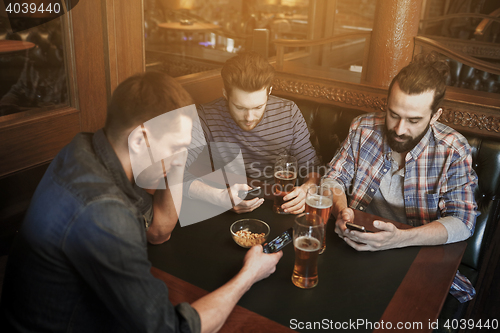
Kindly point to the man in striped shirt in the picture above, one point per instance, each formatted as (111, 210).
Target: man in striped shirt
(262, 126)
(405, 166)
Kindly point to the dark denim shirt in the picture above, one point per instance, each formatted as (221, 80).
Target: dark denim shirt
(80, 261)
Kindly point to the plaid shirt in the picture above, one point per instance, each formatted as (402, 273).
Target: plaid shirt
(439, 180)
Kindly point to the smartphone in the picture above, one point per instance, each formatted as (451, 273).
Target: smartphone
(250, 194)
(356, 227)
(279, 242)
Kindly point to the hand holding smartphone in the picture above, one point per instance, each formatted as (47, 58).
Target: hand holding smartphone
(279, 242)
(356, 227)
(250, 194)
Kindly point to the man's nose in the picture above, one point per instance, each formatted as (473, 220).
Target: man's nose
(249, 116)
(400, 127)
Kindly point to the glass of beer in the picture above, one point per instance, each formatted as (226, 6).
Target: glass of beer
(308, 231)
(319, 200)
(285, 177)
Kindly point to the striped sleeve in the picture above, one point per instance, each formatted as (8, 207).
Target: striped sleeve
(198, 143)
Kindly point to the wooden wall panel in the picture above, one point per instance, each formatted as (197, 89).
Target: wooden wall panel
(124, 40)
(203, 87)
(41, 140)
(90, 63)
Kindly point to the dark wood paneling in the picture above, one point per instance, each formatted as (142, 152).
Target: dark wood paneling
(203, 87)
(125, 40)
(465, 110)
(90, 63)
(40, 141)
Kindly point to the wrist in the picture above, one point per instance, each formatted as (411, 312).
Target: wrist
(337, 209)
(246, 277)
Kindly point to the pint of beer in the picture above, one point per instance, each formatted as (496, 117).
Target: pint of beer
(319, 200)
(308, 233)
(285, 177)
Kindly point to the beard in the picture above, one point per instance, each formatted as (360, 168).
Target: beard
(406, 145)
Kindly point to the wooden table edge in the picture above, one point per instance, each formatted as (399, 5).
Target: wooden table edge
(240, 319)
(426, 268)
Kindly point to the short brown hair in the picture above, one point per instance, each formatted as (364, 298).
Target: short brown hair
(248, 71)
(425, 73)
(140, 98)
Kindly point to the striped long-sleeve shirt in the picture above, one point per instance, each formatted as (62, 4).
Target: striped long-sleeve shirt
(282, 129)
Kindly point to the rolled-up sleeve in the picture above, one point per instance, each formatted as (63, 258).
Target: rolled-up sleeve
(457, 192)
(342, 165)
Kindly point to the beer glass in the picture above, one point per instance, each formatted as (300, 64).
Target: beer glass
(319, 200)
(285, 177)
(328, 182)
(308, 231)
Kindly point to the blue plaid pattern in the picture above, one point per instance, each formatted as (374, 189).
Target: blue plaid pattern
(439, 179)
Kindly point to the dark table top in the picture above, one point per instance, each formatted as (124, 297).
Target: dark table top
(407, 284)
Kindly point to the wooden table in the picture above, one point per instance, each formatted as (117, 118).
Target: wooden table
(195, 27)
(240, 319)
(12, 46)
(397, 286)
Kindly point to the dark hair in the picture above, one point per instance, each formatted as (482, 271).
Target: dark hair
(425, 73)
(248, 71)
(140, 98)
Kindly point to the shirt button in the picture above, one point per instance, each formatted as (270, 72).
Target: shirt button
(372, 190)
(385, 170)
(361, 208)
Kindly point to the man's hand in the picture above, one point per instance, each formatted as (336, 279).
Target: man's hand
(345, 215)
(389, 237)
(214, 308)
(295, 200)
(244, 206)
(260, 264)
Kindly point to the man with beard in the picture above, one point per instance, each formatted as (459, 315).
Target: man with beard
(405, 166)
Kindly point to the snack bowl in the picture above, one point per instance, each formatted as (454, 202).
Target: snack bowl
(249, 232)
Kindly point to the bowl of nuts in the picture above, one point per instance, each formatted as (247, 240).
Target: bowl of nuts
(249, 232)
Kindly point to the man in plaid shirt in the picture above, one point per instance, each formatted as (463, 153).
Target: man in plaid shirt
(405, 166)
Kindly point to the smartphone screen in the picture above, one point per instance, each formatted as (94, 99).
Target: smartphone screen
(279, 242)
(356, 227)
(249, 195)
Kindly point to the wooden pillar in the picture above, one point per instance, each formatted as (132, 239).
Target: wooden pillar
(391, 44)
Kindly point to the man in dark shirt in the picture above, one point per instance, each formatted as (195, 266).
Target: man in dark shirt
(80, 262)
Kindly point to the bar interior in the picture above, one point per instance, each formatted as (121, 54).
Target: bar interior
(332, 63)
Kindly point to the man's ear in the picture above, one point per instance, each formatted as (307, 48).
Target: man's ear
(136, 140)
(436, 115)
(224, 93)
(270, 90)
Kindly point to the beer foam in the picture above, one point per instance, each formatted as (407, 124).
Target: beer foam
(307, 244)
(290, 175)
(319, 202)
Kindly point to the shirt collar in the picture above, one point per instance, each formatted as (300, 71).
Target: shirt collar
(420, 147)
(105, 152)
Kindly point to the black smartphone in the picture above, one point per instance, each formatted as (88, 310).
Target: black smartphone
(279, 242)
(356, 227)
(250, 194)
